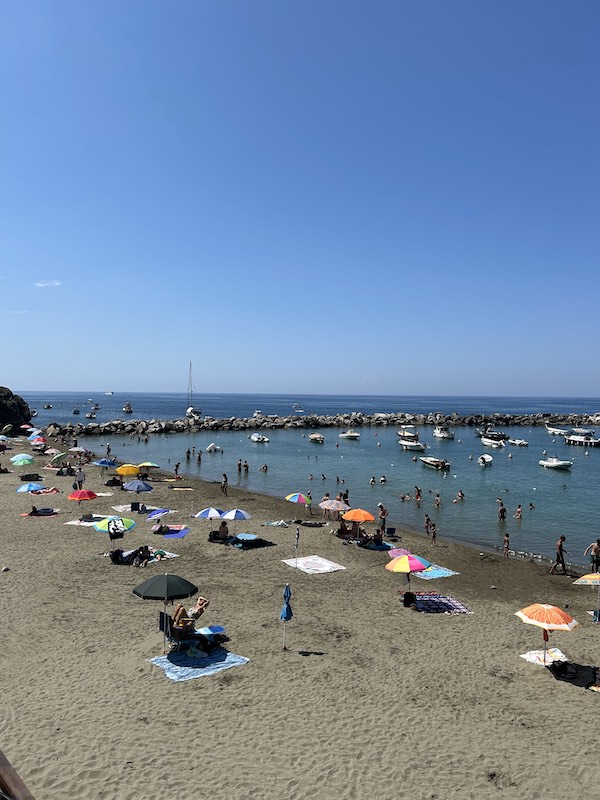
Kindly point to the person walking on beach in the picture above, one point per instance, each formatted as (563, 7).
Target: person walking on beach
(309, 503)
(80, 478)
(433, 529)
(224, 484)
(560, 556)
(506, 545)
(176, 468)
(594, 550)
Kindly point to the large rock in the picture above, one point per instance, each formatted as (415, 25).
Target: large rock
(13, 409)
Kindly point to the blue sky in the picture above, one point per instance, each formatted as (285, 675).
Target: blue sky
(337, 197)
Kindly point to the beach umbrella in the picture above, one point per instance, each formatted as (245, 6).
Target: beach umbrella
(157, 513)
(21, 455)
(56, 459)
(547, 617)
(30, 487)
(286, 611)
(148, 464)
(82, 494)
(34, 434)
(333, 505)
(104, 462)
(297, 497)
(25, 425)
(235, 514)
(137, 486)
(114, 524)
(209, 513)
(358, 515)
(407, 564)
(51, 451)
(22, 461)
(592, 579)
(166, 588)
(127, 469)
(78, 450)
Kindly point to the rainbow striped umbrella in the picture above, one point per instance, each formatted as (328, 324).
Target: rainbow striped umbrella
(297, 497)
(407, 564)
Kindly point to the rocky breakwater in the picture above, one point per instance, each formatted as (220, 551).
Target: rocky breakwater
(133, 427)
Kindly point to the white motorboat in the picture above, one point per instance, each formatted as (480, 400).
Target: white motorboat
(553, 462)
(443, 432)
(259, 437)
(498, 436)
(47, 405)
(519, 442)
(349, 434)
(408, 432)
(582, 440)
(213, 448)
(316, 438)
(554, 431)
(109, 392)
(258, 413)
(487, 442)
(127, 409)
(436, 463)
(485, 460)
(412, 444)
(578, 431)
(90, 415)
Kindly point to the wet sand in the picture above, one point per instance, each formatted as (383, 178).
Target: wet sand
(371, 700)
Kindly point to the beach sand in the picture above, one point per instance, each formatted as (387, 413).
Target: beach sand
(371, 700)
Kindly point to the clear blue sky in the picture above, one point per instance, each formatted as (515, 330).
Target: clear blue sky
(326, 196)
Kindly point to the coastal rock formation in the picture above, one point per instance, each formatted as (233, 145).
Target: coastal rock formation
(13, 409)
(272, 422)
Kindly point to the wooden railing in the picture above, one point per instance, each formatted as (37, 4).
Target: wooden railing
(11, 786)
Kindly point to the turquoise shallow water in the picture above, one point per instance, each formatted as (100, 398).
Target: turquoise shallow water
(565, 502)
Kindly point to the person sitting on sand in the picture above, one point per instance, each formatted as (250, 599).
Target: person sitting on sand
(378, 537)
(220, 535)
(343, 531)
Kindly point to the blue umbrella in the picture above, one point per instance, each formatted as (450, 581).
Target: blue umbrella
(137, 486)
(209, 513)
(235, 514)
(30, 487)
(158, 513)
(104, 462)
(286, 611)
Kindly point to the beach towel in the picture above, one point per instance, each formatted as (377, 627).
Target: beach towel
(43, 512)
(398, 551)
(281, 524)
(434, 571)
(153, 560)
(176, 533)
(537, 656)
(432, 603)
(181, 666)
(183, 489)
(313, 564)
(80, 522)
(582, 675)
(373, 546)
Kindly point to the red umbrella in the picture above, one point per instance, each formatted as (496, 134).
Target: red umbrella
(82, 494)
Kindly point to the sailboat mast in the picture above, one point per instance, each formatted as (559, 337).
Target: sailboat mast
(190, 388)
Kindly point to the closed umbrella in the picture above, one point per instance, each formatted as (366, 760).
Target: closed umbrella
(166, 588)
(547, 617)
(286, 611)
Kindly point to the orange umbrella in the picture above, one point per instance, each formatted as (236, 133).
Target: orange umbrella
(358, 515)
(82, 494)
(550, 618)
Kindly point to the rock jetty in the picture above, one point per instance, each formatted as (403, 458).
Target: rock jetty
(351, 420)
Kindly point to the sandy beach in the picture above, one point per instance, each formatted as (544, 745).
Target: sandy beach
(371, 700)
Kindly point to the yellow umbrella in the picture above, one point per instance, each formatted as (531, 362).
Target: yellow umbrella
(127, 469)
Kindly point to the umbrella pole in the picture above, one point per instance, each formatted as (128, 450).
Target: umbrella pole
(284, 647)
(165, 631)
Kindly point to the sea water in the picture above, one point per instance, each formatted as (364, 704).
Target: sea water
(553, 501)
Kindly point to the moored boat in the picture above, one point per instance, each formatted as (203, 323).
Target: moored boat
(349, 434)
(485, 460)
(47, 405)
(582, 440)
(412, 444)
(555, 431)
(443, 432)
(127, 409)
(258, 437)
(316, 438)
(435, 463)
(553, 462)
(519, 442)
(486, 441)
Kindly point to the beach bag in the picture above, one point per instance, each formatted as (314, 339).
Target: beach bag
(75, 485)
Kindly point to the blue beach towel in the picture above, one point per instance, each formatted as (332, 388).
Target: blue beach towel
(184, 667)
(176, 534)
(434, 571)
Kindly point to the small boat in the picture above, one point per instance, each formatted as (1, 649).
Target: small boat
(76, 411)
(316, 438)
(499, 436)
(487, 442)
(349, 434)
(108, 392)
(553, 462)
(485, 460)
(554, 431)
(408, 432)
(127, 409)
(582, 440)
(435, 463)
(90, 415)
(47, 405)
(412, 444)
(213, 448)
(193, 413)
(519, 442)
(257, 413)
(443, 432)
(33, 412)
(259, 437)
(96, 406)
